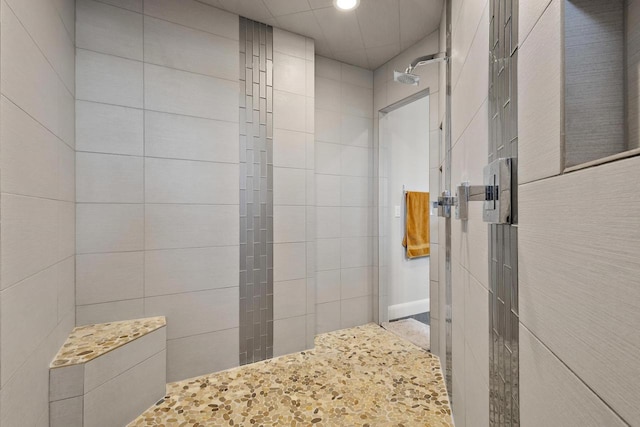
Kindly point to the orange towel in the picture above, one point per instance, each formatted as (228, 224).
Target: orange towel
(416, 235)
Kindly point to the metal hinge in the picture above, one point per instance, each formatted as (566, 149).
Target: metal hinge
(444, 204)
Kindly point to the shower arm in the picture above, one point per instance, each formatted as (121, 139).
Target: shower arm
(424, 60)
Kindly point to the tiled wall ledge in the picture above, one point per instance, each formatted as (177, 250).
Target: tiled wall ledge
(107, 374)
(602, 161)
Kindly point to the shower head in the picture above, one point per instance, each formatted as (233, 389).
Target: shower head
(408, 78)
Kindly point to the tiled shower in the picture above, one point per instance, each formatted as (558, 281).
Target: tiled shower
(130, 144)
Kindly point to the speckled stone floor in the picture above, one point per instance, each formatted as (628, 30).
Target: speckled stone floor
(364, 376)
(87, 342)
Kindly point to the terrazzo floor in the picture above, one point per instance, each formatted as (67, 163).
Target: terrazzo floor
(363, 376)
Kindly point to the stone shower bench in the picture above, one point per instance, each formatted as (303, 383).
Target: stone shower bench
(109, 373)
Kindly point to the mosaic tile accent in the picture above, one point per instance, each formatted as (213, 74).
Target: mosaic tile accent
(504, 368)
(87, 342)
(256, 191)
(363, 376)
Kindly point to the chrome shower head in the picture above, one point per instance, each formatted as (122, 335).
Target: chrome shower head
(406, 78)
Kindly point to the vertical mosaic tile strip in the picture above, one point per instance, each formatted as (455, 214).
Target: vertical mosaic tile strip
(256, 191)
(503, 240)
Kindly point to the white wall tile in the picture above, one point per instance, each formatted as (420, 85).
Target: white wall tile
(26, 75)
(476, 323)
(29, 163)
(170, 226)
(104, 128)
(67, 11)
(109, 277)
(176, 46)
(356, 161)
(328, 158)
(142, 384)
(66, 413)
(289, 261)
(289, 224)
(329, 68)
(67, 173)
(310, 151)
(565, 257)
(202, 354)
(473, 85)
(328, 254)
(108, 178)
(328, 286)
(289, 299)
(310, 78)
(134, 5)
(108, 79)
(328, 94)
(190, 138)
(184, 181)
(357, 101)
(355, 252)
(172, 271)
(356, 76)
(310, 188)
(355, 311)
(289, 111)
(107, 29)
(355, 222)
(328, 222)
(328, 317)
(66, 283)
(194, 14)
(465, 30)
(328, 190)
(289, 148)
(28, 236)
(180, 92)
(29, 384)
(109, 227)
(289, 335)
(539, 90)
(328, 125)
(289, 73)
(43, 23)
(289, 186)
(27, 316)
(66, 229)
(545, 382)
(289, 43)
(476, 398)
(355, 282)
(355, 191)
(192, 313)
(108, 366)
(109, 311)
(356, 131)
(528, 15)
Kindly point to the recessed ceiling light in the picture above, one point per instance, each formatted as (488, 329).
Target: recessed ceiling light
(346, 4)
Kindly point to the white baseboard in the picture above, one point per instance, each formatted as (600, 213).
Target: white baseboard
(408, 308)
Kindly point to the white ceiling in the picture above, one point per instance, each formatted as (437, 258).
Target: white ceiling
(368, 37)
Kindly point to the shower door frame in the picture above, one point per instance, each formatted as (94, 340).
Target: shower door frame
(381, 304)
